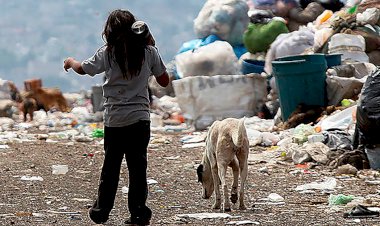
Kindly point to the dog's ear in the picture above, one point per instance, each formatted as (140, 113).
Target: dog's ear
(200, 172)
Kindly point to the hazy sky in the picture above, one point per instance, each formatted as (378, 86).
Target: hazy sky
(36, 36)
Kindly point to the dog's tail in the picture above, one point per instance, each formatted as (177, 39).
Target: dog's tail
(239, 134)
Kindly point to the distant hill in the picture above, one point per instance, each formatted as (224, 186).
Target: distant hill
(36, 36)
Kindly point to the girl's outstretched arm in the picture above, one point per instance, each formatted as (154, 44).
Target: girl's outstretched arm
(74, 64)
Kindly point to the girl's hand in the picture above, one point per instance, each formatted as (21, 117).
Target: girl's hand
(74, 64)
(67, 64)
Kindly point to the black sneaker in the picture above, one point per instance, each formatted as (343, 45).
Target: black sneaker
(97, 217)
(136, 221)
(360, 211)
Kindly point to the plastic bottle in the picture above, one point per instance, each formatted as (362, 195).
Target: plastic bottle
(324, 17)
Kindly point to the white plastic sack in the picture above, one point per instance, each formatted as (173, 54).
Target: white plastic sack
(5, 92)
(369, 16)
(217, 58)
(321, 36)
(227, 19)
(204, 99)
(288, 44)
(340, 120)
(352, 47)
(346, 81)
(294, 152)
(7, 107)
(318, 151)
(328, 184)
(338, 88)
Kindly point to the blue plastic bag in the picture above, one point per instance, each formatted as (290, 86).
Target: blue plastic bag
(196, 43)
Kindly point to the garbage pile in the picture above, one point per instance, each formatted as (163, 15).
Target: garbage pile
(301, 65)
(304, 74)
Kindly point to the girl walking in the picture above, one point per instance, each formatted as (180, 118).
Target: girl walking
(128, 59)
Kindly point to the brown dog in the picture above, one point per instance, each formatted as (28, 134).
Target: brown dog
(49, 98)
(28, 106)
(25, 104)
(226, 145)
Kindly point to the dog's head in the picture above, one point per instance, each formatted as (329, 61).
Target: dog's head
(205, 177)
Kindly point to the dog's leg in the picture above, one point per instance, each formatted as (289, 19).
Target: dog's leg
(216, 181)
(222, 169)
(235, 171)
(243, 177)
(31, 114)
(25, 116)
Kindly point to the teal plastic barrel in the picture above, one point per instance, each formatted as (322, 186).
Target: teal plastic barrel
(333, 59)
(300, 79)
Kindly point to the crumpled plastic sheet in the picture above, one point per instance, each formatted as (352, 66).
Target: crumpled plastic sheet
(227, 19)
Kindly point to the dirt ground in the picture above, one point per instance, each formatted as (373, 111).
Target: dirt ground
(65, 199)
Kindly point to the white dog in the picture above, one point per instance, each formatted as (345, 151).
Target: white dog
(226, 145)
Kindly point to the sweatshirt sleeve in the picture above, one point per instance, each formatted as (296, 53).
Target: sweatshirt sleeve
(95, 64)
(157, 67)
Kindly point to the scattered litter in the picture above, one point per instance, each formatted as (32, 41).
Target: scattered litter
(6, 204)
(172, 157)
(178, 128)
(372, 182)
(64, 208)
(245, 222)
(202, 216)
(24, 214)
(267, 156)
(125, 190)
(83, 171)
(151, 181)
(4, 146)
(32, 178)
(38, 214)
(159, 140)
(63, 212)
(340, 199)
(263, 169)
(347, 169)
(328, 184)
(75, 217)
(273, 197)
(193, 139)
(51, 141)
(59, 169)
(4, 215)
(315, 138)
(82, 200)
(98, 133)
(83, 139)
(176, 207)
(194, 145)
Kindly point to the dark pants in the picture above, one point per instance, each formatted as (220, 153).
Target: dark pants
(131, 142)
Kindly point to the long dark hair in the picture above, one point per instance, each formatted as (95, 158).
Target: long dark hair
(123, 45)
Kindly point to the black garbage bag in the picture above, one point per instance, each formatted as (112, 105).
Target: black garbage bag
(368, 110)
(333, 5)
(338, 140)
(260, 16)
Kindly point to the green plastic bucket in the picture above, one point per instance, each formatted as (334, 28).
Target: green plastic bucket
(300, 79)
